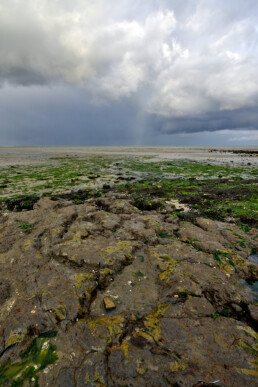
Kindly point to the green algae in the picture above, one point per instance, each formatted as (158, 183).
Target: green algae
(40, 354)
(224, 260)
(24, 226)
(138, 274)
(185, 180)
(225, 312)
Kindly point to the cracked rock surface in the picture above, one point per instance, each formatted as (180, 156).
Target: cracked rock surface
(103, 294)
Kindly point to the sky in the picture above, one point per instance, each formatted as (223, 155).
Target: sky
(129, 72)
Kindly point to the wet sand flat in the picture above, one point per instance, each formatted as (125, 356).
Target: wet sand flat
(39, 155)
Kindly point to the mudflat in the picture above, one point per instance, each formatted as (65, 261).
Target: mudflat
(128, 267)
(34, 155)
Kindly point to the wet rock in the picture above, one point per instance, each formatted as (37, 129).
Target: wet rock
(208, 224)
(209, 364)
(5, 291)
(133, 290)
(192, 307)
(237, 308)
(253, 310)
(66, 378)
(93, 177)
(93, 371)
(166, 327)
(206, 241)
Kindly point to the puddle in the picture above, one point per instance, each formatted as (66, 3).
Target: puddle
(253, 258)
(252, 289)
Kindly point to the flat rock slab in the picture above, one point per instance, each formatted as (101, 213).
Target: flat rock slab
(133, 289)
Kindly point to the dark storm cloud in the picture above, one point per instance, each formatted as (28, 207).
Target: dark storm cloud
(184, 66)
(52, 116)
(246, 118)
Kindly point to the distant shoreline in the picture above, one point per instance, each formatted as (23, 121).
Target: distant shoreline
(42, 154)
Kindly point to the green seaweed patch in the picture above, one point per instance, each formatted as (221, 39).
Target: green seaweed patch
(165, 235)
(242, 244)
(245, 227)
(40, 354)
(219, 256)
(197, 248)
(141, 257)
(24, 226)
(138, 274)
(225, 312)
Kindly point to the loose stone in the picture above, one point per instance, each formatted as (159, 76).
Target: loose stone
(109, 303)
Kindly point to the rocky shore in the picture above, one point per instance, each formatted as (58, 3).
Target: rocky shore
(105, 293)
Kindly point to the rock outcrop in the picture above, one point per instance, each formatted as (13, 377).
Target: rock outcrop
(105, 294)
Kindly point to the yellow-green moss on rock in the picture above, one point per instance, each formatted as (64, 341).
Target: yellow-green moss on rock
(114, 325)
(60, 312)
(15, 338)
(152, 321)
(83, 277)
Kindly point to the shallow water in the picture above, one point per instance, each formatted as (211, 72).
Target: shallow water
(252, 289)
(253, 258)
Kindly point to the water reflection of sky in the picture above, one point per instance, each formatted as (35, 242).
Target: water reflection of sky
(252, 289)
(253, 258)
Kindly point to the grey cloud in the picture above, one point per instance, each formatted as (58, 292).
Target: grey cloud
(184, 66)
(213, 121)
